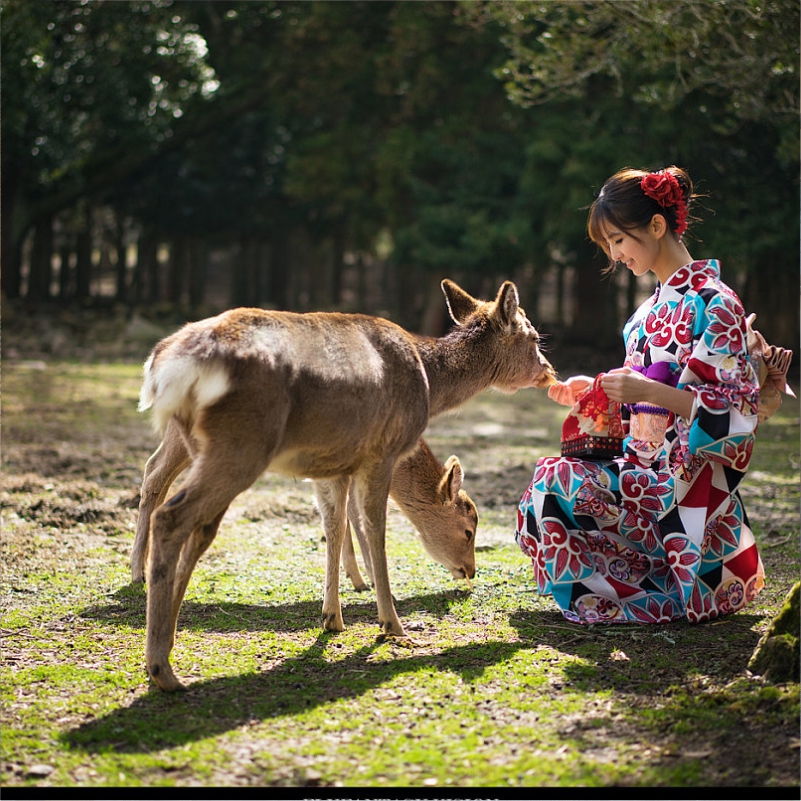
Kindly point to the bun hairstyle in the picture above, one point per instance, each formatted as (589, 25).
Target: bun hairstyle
(630, 199)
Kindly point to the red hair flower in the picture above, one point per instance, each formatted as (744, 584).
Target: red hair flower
(665, 190)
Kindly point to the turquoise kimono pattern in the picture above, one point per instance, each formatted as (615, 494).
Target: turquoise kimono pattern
(660, 533)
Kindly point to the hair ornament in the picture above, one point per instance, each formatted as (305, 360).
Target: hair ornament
(663, 187)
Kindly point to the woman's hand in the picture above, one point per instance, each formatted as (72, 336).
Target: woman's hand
(564, 392)
(625, 385)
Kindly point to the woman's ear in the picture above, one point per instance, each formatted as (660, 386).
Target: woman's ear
(658, 226)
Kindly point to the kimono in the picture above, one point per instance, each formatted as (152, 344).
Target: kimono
(659, 534)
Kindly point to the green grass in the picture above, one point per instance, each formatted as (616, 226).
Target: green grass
(496, 691)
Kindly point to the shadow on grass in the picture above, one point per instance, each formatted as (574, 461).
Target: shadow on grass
(130, 604)
(630, 660)
(644, 658)
(159, 720)
(683, 690)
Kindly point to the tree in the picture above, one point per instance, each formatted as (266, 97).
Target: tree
(134, 81)
(710, 85)
(298, 137)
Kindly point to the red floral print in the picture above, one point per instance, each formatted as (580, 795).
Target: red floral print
(631, 524)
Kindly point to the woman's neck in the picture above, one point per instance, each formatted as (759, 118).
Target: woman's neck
(673, 256)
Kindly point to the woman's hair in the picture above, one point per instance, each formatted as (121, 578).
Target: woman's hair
(623, 204)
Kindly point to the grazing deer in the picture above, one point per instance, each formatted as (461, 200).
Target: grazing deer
(337, 398)
(430, 494)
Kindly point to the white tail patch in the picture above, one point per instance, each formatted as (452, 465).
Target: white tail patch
(181, 385)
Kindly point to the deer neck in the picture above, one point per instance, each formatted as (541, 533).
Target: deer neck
(453, 377)
(415, 484)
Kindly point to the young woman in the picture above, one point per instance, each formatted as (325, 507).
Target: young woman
(660, 533)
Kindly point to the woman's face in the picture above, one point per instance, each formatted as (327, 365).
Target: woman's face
(637, 250)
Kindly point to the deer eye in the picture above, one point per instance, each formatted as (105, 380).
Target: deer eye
(468, 534)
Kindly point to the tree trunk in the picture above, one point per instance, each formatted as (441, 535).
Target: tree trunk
(361, 281)
(771, 292)
(337, 265)
(145, 281)
(529, 284)
(776, 654)
(83, 256)
(301, 257)
(433, 322)
(198, 253)
(631, 295)
(11, 274)
(65, 272)
(321, 274)
(238, 277)
(561, 296)
(121, 290)
(40, 273)
(13, 235)
(405, 308)
(590, 320)
(278, 283)
(176, 270)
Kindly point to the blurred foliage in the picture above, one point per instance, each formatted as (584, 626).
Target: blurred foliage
(415, 140)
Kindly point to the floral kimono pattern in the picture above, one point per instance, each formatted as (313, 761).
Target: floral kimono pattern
(659, 534)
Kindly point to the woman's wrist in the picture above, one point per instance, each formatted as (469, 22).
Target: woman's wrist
(678, 401)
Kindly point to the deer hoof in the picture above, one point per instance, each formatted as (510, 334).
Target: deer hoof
(332, 622)
(390, 628)
(164, 678)
(137, 571)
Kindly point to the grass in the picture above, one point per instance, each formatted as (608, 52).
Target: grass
(498, 691)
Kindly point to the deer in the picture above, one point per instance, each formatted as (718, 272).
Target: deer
(334, 397)
(429, 493)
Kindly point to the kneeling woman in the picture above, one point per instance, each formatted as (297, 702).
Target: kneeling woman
(660, 533)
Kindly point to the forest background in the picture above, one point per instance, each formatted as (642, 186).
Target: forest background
(164, 160)
(171, 159)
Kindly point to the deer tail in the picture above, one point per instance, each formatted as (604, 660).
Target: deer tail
(180, 385)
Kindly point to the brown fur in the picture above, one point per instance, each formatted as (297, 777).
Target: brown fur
(430, 494)
(333, 397)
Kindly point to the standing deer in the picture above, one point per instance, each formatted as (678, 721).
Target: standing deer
(428, 492)
(337, 398)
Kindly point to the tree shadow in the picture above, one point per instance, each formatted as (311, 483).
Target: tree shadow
(630, 657)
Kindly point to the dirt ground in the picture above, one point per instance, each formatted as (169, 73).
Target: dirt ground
(72, 462)
(67, 468)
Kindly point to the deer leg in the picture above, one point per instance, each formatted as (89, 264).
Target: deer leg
(372, 490)
(332, 500)
(165, 465)
(197, 544)
(181, 531)
(168, 536)
(349, 554)
(351, 565)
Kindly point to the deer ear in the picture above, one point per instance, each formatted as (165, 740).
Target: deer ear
(507, 302)
(460, 304)
(451, 482)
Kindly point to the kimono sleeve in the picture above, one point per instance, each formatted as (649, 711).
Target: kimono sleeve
(724, 384)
